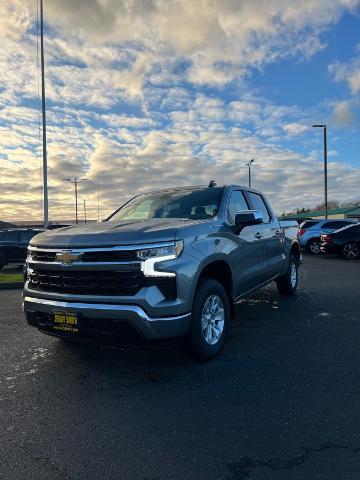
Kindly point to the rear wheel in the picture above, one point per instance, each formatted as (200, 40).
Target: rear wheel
(287, 283)
(313, 246)
(210, 320)
(350, 251)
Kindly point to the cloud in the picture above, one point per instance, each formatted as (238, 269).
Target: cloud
(348, 72)
(295, 128)
(342, 115)
(137, 90)
(221, 40)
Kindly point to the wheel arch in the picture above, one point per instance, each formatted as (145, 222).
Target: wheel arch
(295, 250)
(220, 270)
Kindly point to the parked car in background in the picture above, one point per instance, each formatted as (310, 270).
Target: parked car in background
(345, 242)
(14, 243)
(311, 230)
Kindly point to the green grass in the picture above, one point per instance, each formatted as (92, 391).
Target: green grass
(11, 277)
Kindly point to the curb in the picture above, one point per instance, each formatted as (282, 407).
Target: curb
(11, 285)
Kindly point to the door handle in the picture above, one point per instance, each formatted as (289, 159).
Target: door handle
(277, 233)
(258, 235)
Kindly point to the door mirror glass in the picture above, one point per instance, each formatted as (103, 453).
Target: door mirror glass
(249, 217)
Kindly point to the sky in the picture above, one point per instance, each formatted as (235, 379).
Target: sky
(153, 94)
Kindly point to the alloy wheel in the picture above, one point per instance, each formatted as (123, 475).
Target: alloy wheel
(212, 319)
(315, 247)
(351, 251)
(293, 275)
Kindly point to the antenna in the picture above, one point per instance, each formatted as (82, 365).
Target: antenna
(212, 183)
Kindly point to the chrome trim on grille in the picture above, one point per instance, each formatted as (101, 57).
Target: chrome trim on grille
(103, 249)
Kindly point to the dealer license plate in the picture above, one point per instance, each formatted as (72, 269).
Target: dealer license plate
(65, 322)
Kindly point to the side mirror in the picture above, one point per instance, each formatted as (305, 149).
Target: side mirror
(248, 217)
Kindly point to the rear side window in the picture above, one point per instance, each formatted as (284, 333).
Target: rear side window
(350, 228)
(259, 204)
(305, 225)
(336, 225)
(237, 204)
(27, 236)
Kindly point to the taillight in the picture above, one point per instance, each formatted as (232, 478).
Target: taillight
(301, 232)
(326, 238)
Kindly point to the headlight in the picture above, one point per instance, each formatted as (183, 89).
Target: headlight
(151, 256)
(167, 251)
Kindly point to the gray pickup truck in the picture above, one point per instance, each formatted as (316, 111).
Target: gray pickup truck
(167, 264)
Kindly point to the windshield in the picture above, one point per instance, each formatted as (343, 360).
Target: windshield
(197, 204)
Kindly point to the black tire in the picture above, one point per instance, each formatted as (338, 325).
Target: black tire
(350, 251)
(287, 284)
(313, 246)
(199, 347)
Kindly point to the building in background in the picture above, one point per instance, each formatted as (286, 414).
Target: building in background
(342, 213)
(6, 225)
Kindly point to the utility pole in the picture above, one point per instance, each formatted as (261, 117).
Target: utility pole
(76, 181)
(325, 168)
(84, 210)
(249, 165)
(98, 195)
(45, 180)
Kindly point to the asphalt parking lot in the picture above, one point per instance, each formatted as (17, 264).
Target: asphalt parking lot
(282, 401)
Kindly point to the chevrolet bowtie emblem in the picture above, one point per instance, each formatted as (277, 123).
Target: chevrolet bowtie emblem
(67, 257)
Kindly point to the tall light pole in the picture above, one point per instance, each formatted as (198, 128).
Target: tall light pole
(76, 181)
(84, 210)
(249, 165)
(325, 168)
(45, 183)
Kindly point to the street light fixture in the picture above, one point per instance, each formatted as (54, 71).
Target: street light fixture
(325, 168)
(249, 165)
(76, 181)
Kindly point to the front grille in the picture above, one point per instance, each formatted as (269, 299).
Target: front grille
(110, 256)
(42, 256)
(98, 282)
(87, 282)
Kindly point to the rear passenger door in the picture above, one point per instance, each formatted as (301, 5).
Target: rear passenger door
(248, 258)
(270, 237)
(10, 242)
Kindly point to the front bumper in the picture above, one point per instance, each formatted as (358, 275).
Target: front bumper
(105, 320)
(329, 248)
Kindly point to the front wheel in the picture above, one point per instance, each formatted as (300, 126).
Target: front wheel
(287, 283)
(210, 320)
(350, 251)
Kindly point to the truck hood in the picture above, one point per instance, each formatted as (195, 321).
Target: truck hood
(126, 232)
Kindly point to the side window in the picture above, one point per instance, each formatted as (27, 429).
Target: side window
(259, 204)
(237, 204)
(330, 225)
(27, 236)
(334, 225)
